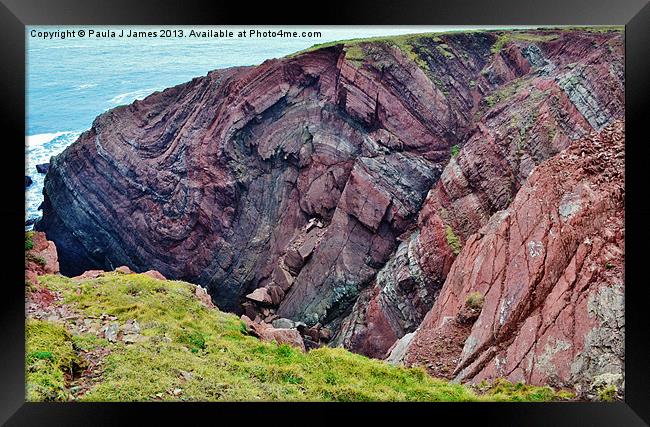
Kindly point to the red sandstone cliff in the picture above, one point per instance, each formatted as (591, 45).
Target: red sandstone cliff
(339, 182)
(549, 271)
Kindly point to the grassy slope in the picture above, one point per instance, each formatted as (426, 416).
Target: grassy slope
(224, 363)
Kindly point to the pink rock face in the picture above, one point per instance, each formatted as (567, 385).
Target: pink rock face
(42, 258)
(533, 113)
(550, 268)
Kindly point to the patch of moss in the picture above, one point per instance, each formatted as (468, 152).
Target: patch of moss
(29, 243)
(88, 342)
(455, 149)
(452, 240)
(607, 394)
(511, 36)
(443, 49)
(406, 45)
(36, 259)
(503, 390)
(505, 92)
(475, 300)
(355, 54)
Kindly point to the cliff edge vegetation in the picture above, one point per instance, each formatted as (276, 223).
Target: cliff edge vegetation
(130, 337)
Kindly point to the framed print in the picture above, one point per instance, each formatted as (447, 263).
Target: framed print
(379, 206)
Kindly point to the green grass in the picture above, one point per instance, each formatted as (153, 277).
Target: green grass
(504, 391)
(38, 259)
(355, 54)
(511, 36)
(223, 362)
(443, 49)
(452, 240)
(407, 43)
(455, 149)
(29, 244)
(506, 91)
(607, 394)
(49, 356)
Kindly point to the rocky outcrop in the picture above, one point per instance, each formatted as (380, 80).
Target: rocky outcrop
(267, 332)
(332, 187)
(528, 119)
(548, 272)
(41, 257)
(42, 167)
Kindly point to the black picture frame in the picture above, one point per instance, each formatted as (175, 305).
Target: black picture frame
(634, 14)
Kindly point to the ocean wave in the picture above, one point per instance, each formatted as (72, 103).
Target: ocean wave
(44, 138)
(132, 96)
(85, 86)
(40, 149)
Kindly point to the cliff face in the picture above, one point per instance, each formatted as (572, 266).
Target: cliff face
(535, 113)
(342, 180)
(549, 274)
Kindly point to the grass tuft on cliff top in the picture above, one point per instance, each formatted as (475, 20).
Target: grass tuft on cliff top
(406, 40)
(193, 353)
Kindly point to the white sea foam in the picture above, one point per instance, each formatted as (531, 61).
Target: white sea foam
(40, 148)
(85, 86)
(132, 96)
(43, 138)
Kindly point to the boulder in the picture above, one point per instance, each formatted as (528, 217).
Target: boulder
(325, 334)
(111, 331)
(308, 246)
(276, 294)
(313, 333)
(260, 296)
(43, 257)
(124, 270)
(266, 332)
(250, 309)
(90, 274)
(282, 278)
(203, 296)
(154, 274)
(309, 343)
(293, 261)
(283, 323)
(43, 167)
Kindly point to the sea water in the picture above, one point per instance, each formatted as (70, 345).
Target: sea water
(72, 80)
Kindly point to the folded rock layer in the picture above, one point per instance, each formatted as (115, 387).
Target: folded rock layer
(343, 180)
(549, 271)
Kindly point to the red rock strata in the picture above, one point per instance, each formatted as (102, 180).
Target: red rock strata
(334, 186)
(550, 269)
